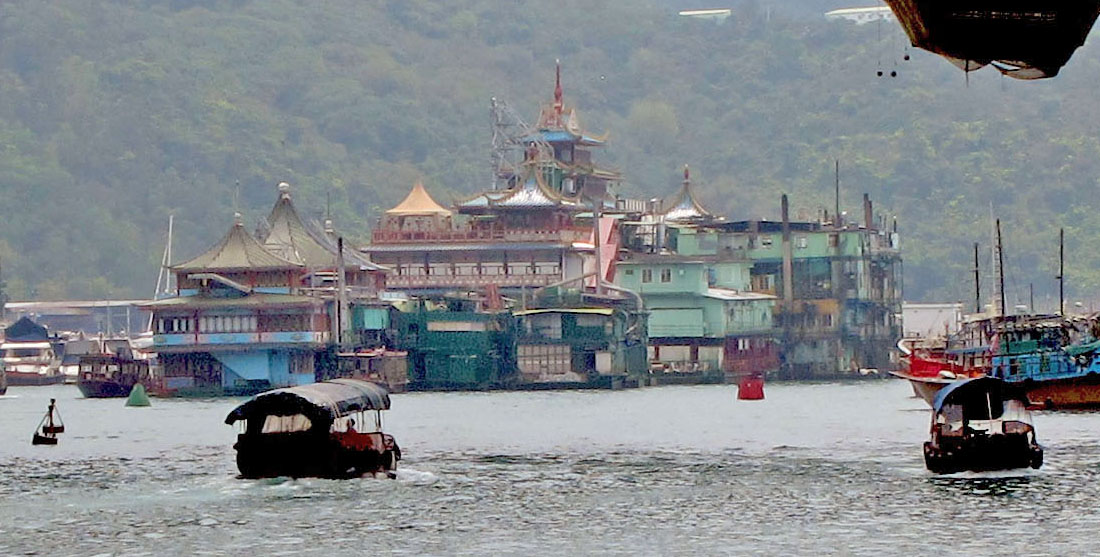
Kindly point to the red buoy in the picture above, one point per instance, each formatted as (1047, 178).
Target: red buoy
(751, 387)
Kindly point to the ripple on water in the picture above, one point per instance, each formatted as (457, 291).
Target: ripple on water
(777, 487)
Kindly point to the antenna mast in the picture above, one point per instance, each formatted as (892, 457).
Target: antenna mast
(510, 136)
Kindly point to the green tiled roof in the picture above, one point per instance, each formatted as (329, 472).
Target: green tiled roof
(238, 250)
(292, 239)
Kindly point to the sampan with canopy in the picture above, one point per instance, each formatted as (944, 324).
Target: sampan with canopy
(308, 431)
(981, 424)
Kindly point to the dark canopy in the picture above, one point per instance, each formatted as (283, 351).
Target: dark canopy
(977, 397)
(320, 402)
(25, 330)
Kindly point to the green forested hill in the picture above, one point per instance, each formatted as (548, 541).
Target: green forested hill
(116, 113)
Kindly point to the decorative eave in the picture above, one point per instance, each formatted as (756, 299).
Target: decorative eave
(532, 194)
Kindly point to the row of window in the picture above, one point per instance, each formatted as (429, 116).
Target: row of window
(233, 324)
(647, 275)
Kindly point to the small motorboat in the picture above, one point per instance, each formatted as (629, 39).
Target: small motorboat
(310, 431)
(981, 424)
(49, 427)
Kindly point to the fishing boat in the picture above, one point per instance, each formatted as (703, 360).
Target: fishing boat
(29, 355)
(1056, 361)
(930, 364)
(111, 371)
(311, 431)
(981, 424)
(49, 427)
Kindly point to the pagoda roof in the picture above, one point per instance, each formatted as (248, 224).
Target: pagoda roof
(558, 124)
(684, 206)
(292, 239)
(532, 194)
(237, 250)
(418, 202)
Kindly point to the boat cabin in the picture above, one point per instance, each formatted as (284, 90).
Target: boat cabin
(331, 429)
(981, 424)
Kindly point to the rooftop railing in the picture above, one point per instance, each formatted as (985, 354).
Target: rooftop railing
(480, 235)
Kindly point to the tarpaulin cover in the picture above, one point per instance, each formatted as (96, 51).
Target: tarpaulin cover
(320, 402)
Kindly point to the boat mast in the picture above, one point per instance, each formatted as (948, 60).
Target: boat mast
(1000, 269)
(1062, 272)
(977, 282)
(164, 274)
(994, 304)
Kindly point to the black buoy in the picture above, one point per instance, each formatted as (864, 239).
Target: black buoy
(47, 431)
(906, 57)
(893, 73)
(879, 73)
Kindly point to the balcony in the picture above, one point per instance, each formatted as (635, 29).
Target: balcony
(183, 340)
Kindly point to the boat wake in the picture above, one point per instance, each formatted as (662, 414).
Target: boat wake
(415, 477)
(1016, 473)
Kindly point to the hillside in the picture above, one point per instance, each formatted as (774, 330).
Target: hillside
(115, 114)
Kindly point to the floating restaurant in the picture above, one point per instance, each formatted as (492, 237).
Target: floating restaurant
(252, 314)
(548, 281)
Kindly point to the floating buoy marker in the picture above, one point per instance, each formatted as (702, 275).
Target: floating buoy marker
(138, 398)
(751, 387)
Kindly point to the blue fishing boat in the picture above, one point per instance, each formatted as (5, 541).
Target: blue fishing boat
(1055, 360)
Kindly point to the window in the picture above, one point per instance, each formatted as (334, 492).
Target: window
(629, 272)
(765, 241)
(647, 275)
(666, 275)
(802, 242)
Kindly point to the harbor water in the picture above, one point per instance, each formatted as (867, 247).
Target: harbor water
(815, 469)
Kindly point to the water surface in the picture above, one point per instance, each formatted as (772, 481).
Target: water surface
(813, 469)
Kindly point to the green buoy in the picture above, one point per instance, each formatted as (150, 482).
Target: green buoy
(138, 396)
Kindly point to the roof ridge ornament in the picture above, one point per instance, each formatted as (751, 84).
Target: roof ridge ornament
(559, 104)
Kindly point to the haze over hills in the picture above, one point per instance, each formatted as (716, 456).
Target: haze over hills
(115, 114)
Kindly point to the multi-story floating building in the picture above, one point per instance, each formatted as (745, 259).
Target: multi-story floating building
(705, 321)
(804, 299)
(838, 286)
(251, 314)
